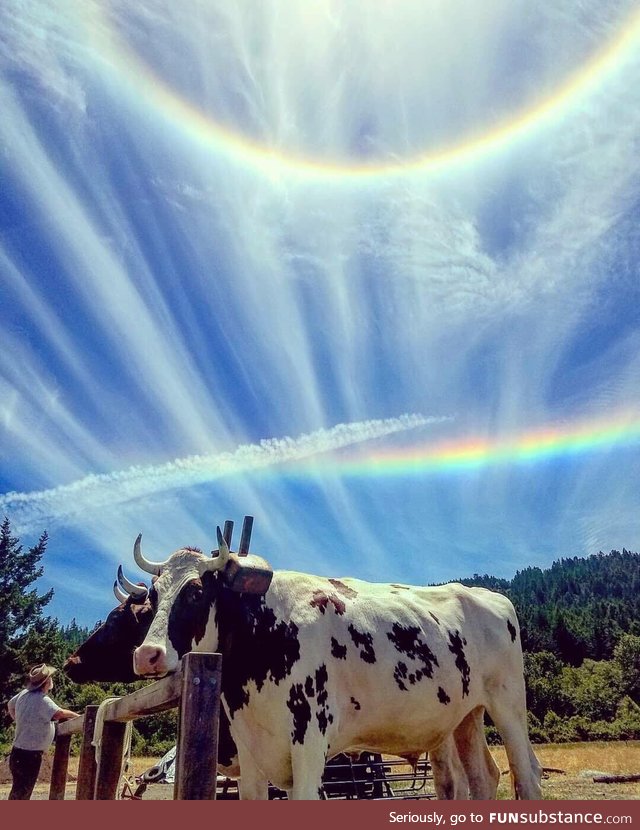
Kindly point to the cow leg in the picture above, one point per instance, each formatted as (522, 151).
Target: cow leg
(481, 770)
(253, 789)
(449, 777)
(307, 763)
(252, 786)
(508, 711)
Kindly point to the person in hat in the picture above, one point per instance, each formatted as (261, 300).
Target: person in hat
(34, 713)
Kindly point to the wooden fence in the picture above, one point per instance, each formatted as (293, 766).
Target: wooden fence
(194, 689)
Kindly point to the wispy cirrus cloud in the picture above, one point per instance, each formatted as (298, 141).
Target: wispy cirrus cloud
(91, 493)
(189, 263)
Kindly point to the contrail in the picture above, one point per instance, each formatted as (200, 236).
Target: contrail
(96, 491)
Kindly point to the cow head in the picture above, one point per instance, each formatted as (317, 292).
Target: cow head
(107, 655)
(183, 596)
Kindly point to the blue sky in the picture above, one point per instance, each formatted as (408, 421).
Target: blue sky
(240, 242)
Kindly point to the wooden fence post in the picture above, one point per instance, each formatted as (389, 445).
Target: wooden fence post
(85, 788)
(59, 770)
(110, 763)
(198, 721)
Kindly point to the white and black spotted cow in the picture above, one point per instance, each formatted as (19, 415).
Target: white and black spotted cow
(317, 666)
(107, 656)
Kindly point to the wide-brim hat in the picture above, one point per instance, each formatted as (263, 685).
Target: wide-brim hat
(38, 676)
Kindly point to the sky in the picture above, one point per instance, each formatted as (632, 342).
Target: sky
(367, 272)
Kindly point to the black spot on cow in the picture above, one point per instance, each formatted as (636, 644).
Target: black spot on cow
(321, 684)
(324, 718)
(356, 704)
(343, 589)
(512, 630)
(299, 707)
(414, 677)
(443, 697)
(364, 642)
(400, 675)
(323, 713)
(456, 647)
(190, 613)
(308, 687)
(338, 650)
(256, 645)
(321, 599)
(407, 640)
(433, 616)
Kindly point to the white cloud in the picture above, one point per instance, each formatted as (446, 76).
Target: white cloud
(93, 492)
(216, 303)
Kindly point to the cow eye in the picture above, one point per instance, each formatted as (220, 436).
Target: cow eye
(153, 598)
(195, 594)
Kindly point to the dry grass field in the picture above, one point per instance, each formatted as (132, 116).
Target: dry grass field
(579, 762)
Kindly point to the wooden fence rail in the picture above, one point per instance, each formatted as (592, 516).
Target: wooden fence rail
(194, 689)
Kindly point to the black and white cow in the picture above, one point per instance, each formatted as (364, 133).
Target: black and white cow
(107, 656)
(317, 666)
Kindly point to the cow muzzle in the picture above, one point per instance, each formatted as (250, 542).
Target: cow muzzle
(150, 661)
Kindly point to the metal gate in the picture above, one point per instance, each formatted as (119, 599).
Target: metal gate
(366, 776)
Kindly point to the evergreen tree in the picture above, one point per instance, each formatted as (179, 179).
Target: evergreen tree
(25, 635)
(568, 646)
(627, 656)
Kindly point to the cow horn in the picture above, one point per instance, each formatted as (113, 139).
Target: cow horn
(120, 594)
(218, 562)
(245, 539)
(145, 564)
(136, 591)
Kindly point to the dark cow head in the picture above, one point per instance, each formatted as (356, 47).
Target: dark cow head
(107, 655)
(185, 590)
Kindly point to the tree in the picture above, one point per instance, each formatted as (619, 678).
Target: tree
(594, 689)
(627, 655)
(567, 645)
(543, 676)
(25, 635)
(628, 719)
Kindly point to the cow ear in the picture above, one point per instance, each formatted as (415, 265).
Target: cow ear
(249, 574)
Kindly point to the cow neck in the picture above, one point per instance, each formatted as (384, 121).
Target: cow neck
(258, 647)
(235, 617)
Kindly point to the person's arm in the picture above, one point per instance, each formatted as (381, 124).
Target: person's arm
(65, 714)
(57, 712)
(11, 708)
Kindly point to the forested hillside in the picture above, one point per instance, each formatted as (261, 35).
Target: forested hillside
(580, 629)
(578, 608)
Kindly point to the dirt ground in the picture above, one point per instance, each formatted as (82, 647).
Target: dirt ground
(579, 762)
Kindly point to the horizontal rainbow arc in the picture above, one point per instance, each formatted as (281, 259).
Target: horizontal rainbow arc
(470, 454)
(152, 92)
